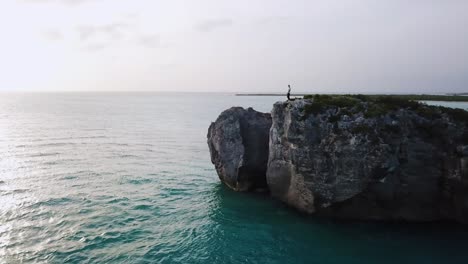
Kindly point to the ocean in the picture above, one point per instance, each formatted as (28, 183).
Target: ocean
(127, 178)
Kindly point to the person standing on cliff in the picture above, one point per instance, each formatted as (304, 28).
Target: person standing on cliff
(289, 93)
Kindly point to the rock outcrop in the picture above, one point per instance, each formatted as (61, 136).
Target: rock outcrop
(338, 162)
(238, 143)
(350, 157)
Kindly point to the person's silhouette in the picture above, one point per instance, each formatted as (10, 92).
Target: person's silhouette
(289, 93)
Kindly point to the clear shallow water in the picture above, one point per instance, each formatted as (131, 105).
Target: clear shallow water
(126, 178)
(461, 105)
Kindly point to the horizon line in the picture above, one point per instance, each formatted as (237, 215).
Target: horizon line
(236, 93)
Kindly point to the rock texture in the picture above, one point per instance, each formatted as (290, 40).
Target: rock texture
(238, 143)
(396, 166)
(349, 160)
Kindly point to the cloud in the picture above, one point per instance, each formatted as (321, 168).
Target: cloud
(210, 25)
(95, 47)
(150, 41)
(112, 31)
(132, 16)
(99, 37)
(86, 32)
(66, 2)
(53, 35)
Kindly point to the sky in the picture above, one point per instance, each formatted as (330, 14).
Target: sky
(323, 46)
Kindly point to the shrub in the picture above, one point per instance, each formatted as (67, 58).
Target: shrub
(379, 105)
(360, 129)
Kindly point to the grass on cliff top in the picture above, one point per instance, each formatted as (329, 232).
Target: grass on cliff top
(374, 106)
(415, 97)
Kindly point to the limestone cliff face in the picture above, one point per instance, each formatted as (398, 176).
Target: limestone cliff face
(355, 161)
(238, 143)
(394, 166)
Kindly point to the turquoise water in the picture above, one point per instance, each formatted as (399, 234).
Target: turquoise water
(460, 105)
(127, 178)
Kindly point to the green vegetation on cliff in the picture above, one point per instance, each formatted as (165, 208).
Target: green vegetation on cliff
(425, 97)
(415, 97)
(459, 97)
(374, 106)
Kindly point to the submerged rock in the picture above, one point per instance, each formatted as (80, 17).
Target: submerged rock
(351, 157)
(238, 143)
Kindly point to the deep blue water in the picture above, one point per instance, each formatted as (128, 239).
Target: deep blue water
(127, 178)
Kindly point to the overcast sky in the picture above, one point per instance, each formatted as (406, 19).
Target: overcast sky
(347, 46)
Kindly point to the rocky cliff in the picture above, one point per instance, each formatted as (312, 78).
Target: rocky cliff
(238, 143)
(350, 157)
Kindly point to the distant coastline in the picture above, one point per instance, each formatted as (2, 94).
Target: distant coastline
(267, 94)
(454, 97)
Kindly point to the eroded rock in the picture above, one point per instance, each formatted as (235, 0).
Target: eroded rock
(238, 143)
